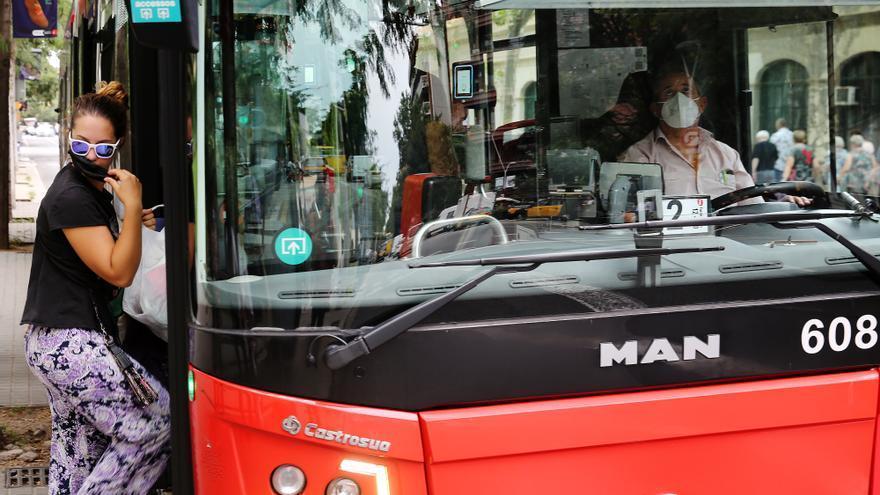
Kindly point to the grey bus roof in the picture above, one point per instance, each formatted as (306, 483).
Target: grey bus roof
(635, 4)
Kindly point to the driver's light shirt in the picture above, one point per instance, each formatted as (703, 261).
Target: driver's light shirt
(720, 169)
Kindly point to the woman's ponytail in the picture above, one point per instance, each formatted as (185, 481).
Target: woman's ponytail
(113, 90)
(110, 101)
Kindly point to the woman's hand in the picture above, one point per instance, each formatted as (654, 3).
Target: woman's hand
(126, 186)
(148, 218)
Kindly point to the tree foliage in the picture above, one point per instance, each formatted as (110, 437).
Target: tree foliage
(33, 55)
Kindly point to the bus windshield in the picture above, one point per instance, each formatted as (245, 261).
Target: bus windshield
(343, 139)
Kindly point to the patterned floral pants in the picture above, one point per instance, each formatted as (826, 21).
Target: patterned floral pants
(102, 442)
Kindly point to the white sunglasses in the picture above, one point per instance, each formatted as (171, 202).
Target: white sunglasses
(102, 150)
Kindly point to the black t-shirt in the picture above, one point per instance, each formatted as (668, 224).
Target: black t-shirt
(766, 154)
(61, 286)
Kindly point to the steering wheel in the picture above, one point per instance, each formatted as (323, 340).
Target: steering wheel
(794, 188)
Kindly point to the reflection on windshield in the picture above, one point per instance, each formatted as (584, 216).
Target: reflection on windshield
(349, 126)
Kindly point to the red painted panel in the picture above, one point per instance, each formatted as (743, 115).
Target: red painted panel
(238, 441)
(875, 478)
(266, 411)
(832, 459)
(801, 435)
(478, 432)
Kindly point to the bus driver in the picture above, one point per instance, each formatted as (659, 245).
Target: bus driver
(693, 161)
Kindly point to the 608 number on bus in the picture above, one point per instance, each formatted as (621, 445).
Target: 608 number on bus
(839, 334)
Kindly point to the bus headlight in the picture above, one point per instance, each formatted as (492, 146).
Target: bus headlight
(288, 480)
(377, 471)
(343, 486)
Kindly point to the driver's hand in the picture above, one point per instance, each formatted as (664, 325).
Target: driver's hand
(799, 200)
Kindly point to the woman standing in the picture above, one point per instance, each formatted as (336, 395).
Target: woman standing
(857, 167)
(799, 163)
(110, 425)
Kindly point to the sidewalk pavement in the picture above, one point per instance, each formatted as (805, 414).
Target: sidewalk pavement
(25, 491)
(29, 192)
(18, 386)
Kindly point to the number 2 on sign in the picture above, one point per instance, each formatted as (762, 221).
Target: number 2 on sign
(839, 334)
(678, 207)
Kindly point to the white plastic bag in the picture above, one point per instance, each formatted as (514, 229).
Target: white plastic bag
(146, 300)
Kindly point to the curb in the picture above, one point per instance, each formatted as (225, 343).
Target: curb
(29, 192)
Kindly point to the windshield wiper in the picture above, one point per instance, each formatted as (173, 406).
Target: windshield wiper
(339, 356)
(867, 259)
(727, 220)
(783, 220)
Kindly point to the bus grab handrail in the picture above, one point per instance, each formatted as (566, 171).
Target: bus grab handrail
(422, 233)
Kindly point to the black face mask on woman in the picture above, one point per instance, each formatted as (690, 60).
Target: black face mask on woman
(88, 168)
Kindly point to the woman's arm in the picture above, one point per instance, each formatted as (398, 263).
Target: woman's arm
(846, 165)
(114, 261)
(789, 164)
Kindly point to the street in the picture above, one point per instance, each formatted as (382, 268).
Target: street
(43, 151)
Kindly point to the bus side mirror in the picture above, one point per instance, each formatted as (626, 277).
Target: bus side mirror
(165, 24)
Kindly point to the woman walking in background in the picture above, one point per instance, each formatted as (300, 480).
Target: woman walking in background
(857, 168)
(110, 425)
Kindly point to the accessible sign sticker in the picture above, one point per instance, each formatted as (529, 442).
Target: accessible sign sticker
(293, 246)
(155, 11)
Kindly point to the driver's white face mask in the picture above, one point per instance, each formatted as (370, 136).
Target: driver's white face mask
(680, 111)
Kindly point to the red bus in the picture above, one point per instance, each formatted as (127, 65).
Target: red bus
(660, 335)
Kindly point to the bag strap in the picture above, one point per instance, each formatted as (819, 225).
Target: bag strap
(143, 392)
(122, 359)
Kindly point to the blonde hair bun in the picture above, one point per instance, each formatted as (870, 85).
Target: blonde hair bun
(113, 90)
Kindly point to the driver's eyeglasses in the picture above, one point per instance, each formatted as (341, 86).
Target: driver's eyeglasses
(102, 150)
(669, 93)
